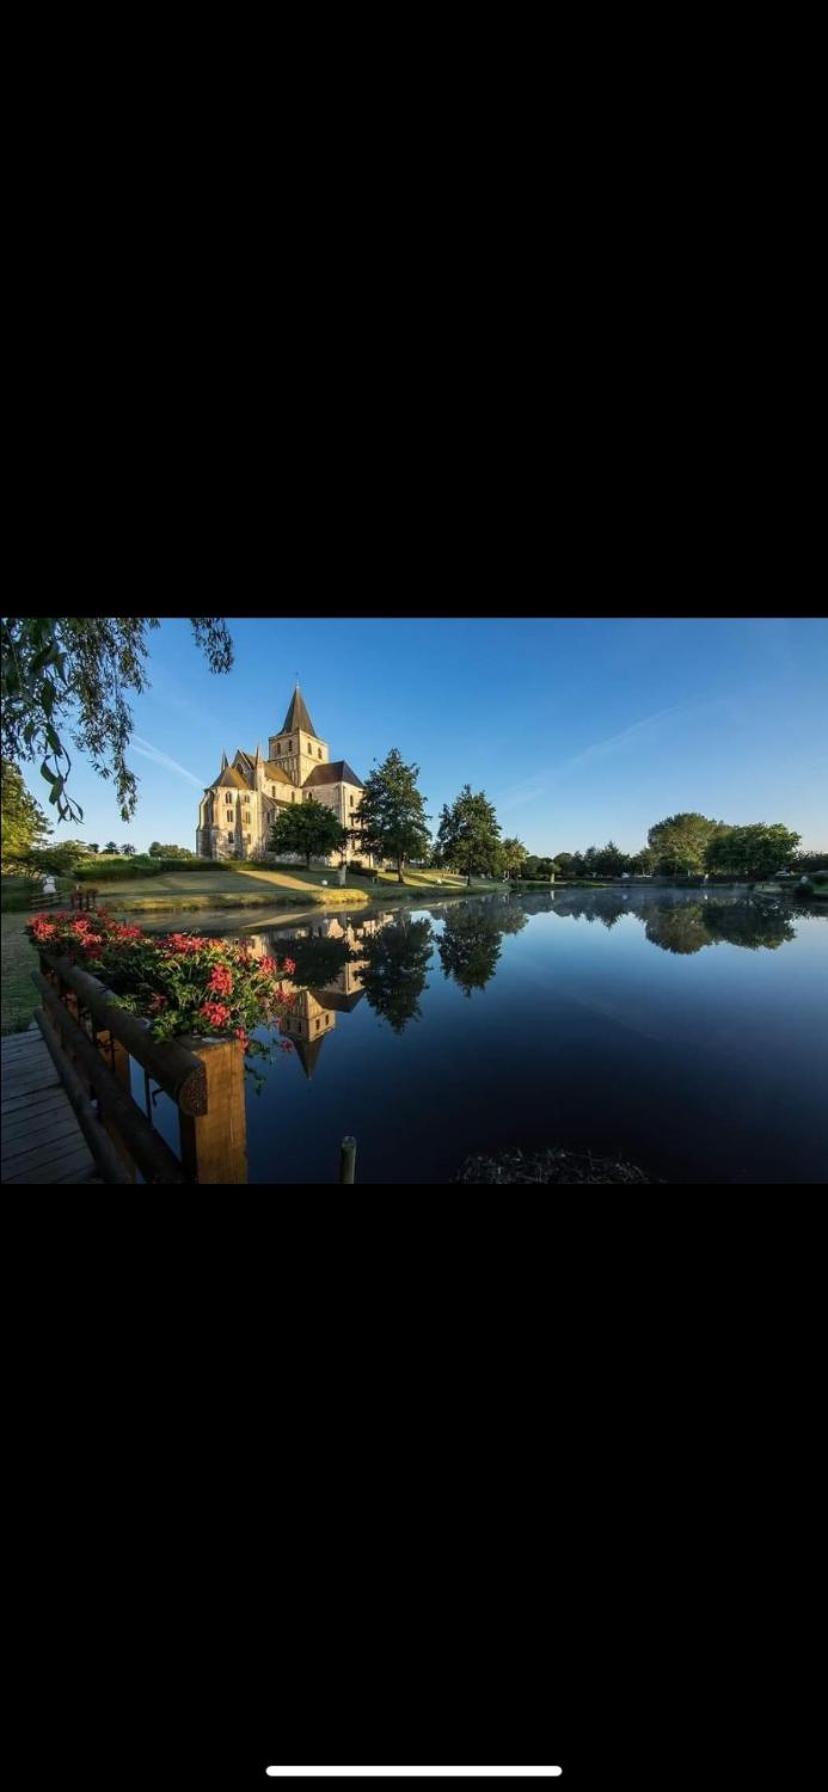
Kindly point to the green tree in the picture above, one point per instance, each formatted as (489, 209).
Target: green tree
(310, 828)
(62, 674)
(60, 857)
(562, 864)
(392, 821)
(110, 846)
(469, 834)
(643, 862)
(514, 854)
(751, 852)
(394, 976)
(24, 823)
(157, 851)
(680, 842)
(128, 850)
(93, 846)
(610, 860)
(802, 863)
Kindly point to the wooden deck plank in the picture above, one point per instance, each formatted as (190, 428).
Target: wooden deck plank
(23, 1142)
(25, 1134)
(41, 1139)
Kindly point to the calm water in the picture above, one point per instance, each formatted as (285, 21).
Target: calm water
(686, 1031)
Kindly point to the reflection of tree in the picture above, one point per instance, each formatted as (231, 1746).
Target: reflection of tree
(469, 947)
(678, 927)
(686, 927)
(511, 919)
(394, 973)
(683, 925)
(318, 961)
(749, 924)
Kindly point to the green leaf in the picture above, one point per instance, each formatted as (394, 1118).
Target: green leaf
(45, 773)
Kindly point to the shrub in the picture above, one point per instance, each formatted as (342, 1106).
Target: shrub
(182, 983)
(104, 870)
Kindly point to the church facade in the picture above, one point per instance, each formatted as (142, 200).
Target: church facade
(238, 809)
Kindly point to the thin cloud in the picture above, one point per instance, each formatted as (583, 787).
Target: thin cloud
(600, 748)
(148, 751)
(539, 784)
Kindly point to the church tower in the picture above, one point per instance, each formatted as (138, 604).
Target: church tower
(297, 747)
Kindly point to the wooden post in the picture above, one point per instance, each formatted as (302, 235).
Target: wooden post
(214, 1145)
(347, 1160)
(117, 1057)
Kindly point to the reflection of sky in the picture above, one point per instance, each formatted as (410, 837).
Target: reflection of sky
(709, 1066)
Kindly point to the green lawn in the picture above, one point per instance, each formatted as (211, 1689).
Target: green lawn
(18, 996)
(250, 885)
(228, 886)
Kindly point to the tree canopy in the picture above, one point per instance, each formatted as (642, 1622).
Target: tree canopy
(24, 823)
(310, 828)
(514, 856)
(468, 838)
(751, 852)
(391, 821)
(680, 842)
(70, 675)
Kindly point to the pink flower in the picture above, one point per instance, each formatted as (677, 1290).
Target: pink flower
(240, 1034)
(221, 981)
(288, 966)
(214, 1013)
(267, 964)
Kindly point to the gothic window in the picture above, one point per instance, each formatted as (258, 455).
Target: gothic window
(352, 802)
(278, 746)
(230, 837)
(319, 752)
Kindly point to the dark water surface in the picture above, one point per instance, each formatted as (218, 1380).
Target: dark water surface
(684, 1030)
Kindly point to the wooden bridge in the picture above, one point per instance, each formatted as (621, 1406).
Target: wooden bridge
(68, 1111)
(41, 1139)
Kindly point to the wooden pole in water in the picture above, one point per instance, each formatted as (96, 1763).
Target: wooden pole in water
(347, 1160)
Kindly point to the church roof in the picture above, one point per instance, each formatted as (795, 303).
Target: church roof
(231, 776)
(307, 1051)
(276, 772)
(339, 772)
(334, 998)
(298, 717)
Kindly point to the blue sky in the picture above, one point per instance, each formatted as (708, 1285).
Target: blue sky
(578, 730)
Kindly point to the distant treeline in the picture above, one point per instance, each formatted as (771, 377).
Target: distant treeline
(685, 845)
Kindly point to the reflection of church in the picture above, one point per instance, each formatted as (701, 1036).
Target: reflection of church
(308, 1024)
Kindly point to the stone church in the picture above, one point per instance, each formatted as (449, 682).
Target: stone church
(237, 810)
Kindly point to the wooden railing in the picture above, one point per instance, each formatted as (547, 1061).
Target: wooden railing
(91, 1041)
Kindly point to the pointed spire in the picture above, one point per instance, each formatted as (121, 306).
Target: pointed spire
(258, 759)
(224, 762)
(297, 716)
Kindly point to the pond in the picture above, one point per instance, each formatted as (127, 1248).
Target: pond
(683, 1030)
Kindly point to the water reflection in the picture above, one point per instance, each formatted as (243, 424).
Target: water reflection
(332, 960)
(394, 970)
(683, 922)
(385, 957)
(469, 946)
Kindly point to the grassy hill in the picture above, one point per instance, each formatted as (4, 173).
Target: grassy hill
(244, 885)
